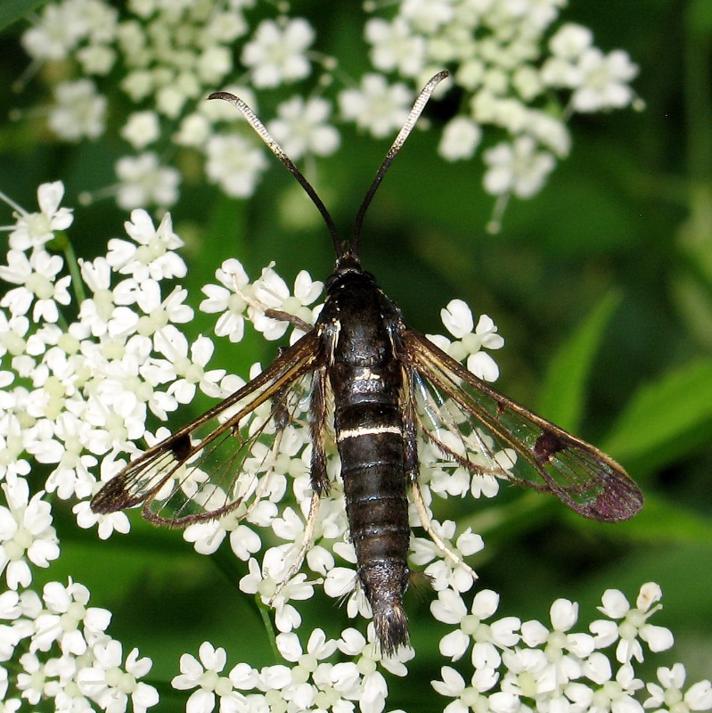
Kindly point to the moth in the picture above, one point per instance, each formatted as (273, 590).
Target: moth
(376, 386)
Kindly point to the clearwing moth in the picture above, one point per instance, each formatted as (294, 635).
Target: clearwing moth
(363, 378)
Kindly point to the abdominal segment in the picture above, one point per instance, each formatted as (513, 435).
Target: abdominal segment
(370, 444)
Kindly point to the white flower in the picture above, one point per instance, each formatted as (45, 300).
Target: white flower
(376, 107)
(204, 674)
(611, 694)
(215, 62)
(194, 130)
(14, 460)
(26, 533)
(473, 698)
(276, 55)
(96, 59)
(669, 696)
(109, 685)
(302, 128)
(65, 611)
(153, 255)
(318, 648)
(570, 41)
(563, 650)
(187, 363)
(268, 582)
(56, 33)
(457, 319)
(460, 138)
(100, 313)
(79, 111)
(488, 638)
(38, 283)
(31, 680)
(143, 181)
(271, 292)
(235, 164)
(365, 653)
(429, 15)
(208, 536)
(444, 572)
(230, 299)
(395, 46)
(528, 674)
(631, 624)
(603, 81)
(115, 521)
(32, 230)
(65, 448)
(141, 129)
(549, 131)
(516, 168)
(157, 312)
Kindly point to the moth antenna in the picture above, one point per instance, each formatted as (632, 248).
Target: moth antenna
(261, 130)
(403, 134)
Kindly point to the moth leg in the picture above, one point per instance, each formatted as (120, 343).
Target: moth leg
(307, 540)
(426, 522)
(317, 424)
(282, 316)
(410, 432)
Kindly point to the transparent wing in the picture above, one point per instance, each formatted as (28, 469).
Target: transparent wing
(221, 460)
(490, 435)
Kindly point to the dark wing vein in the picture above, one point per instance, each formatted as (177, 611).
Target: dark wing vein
(193, 475)
(495, 428)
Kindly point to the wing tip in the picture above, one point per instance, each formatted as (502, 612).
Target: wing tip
(620, 500)
(111, 498)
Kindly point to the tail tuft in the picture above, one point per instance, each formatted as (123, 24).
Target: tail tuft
(391, 625)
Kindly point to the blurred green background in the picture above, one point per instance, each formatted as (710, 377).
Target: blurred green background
(601, 286)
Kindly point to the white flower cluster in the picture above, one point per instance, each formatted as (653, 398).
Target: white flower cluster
(77, 395)
(58, 650)
(509, 57)
(520, 666)
(515, 666)
(510, 60)
(171, 56)
(307, 681)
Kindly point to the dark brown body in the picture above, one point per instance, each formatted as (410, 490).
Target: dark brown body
(361, 328)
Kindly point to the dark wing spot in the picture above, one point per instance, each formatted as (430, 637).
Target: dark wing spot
(547, 446)
(180, 447)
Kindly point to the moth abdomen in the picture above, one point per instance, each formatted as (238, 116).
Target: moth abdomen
(385, 582)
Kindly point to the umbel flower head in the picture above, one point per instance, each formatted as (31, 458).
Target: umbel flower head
(79, 395)
(522, 72)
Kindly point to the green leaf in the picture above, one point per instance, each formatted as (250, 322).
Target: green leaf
(699, 17)
(665, 419)
(13, 10)
(562, 397)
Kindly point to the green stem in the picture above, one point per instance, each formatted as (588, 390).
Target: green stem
(73, 265)
(269, 628)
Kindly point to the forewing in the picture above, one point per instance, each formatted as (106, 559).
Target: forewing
(488, 434)
(223, 459)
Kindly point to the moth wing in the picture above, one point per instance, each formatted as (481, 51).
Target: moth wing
(222, 460)
(490, 435)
